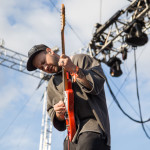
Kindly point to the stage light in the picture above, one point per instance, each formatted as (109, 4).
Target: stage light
(135, 36)
(115, 69)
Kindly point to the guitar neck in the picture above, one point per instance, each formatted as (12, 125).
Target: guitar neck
(63, 47)
(63, 70)
(63, 41)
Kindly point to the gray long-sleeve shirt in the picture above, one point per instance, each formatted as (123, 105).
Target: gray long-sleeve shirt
(88, 103)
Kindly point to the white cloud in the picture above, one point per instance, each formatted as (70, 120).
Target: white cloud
(25, 23)
(17, 138)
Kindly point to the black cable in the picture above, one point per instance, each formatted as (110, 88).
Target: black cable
(68, 24)
(28, 125)
(118, 104)
(138, 97)
(126, 79)
(54, 6)
(15, 118)
(119, 91)
(129, 72)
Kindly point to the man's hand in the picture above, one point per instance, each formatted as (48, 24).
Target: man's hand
(60, 110)
(66, 62)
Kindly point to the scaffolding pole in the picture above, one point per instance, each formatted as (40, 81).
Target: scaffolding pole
(46, 128)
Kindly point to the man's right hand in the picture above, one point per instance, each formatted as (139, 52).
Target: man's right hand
(60, 110)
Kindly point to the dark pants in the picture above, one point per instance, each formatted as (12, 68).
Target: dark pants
(88, 141)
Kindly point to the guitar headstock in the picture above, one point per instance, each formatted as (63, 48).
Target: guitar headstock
(62, 16)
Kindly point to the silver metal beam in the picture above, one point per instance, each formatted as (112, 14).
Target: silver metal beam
(17, 61)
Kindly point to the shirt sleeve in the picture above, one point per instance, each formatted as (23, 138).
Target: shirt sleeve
(59, 125)
(53, 97)
(93, 72)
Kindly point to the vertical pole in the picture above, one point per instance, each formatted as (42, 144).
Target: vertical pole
(50, 135)
(45, 123)
(46, 131)
(42, 127)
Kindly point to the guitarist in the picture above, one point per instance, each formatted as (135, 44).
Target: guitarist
(92, 121)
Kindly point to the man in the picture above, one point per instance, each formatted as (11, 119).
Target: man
(92, 121)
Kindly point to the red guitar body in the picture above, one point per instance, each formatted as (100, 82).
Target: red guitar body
(69, 103)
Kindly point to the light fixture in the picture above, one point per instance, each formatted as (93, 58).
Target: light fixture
(135, 37)
(115, 69)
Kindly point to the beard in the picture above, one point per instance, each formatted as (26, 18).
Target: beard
(59, 69)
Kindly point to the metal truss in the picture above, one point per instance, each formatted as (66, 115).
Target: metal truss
(109, 39)
(17, 61)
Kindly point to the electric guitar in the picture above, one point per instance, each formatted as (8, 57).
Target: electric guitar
(68, 92)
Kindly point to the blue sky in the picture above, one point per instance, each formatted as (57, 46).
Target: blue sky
(26, 23)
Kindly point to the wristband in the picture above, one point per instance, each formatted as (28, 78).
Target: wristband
(75, 74)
